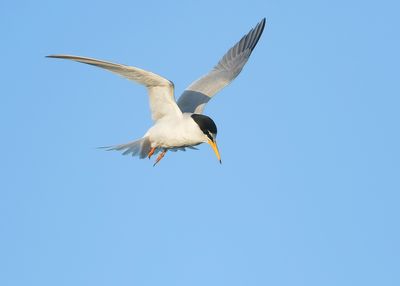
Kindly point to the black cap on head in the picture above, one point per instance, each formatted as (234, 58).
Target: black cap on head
(206, 125)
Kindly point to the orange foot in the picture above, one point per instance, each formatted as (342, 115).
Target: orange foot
(160, 156)
(151, 152)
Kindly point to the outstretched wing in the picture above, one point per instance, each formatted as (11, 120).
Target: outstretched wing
(195, 97)
(161, 90)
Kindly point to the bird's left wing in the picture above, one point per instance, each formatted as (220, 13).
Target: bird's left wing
(195, 97)
(161, 90)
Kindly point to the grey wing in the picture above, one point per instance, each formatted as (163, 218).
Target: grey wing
(195, 97)
(161, 90)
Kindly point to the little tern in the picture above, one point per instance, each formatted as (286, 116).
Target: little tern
(182, 124)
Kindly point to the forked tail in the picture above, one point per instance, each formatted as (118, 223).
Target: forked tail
(139, 148)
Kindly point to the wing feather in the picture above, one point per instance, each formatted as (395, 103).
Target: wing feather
(195, 97)
(161, 90)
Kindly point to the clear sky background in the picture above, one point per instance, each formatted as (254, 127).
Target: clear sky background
(308, 193)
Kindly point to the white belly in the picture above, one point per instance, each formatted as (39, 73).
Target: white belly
(175, 132)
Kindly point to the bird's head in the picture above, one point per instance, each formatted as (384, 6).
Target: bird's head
(209, 129)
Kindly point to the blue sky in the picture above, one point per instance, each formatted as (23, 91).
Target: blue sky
(308, 193)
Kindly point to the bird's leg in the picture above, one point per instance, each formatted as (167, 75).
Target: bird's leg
(160, 156)
(151, 152)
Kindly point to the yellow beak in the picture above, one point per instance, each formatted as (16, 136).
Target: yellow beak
(215, 148)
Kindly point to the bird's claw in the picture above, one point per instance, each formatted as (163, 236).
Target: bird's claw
(160, 156)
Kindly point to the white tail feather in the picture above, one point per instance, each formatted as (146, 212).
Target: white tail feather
(139, 148)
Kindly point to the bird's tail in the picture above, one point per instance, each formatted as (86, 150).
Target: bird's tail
(139, 148)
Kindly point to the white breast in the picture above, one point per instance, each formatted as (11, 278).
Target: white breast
(170, 132)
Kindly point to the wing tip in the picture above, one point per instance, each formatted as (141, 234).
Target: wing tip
(59, 56)
(258, 30)
(263, 23)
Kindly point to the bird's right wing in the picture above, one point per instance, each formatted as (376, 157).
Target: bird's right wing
(195, 97)
(161, 90)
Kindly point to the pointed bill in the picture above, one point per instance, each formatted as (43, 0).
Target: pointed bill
(214, 146)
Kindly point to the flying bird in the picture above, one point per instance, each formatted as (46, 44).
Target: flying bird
(182, 124)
